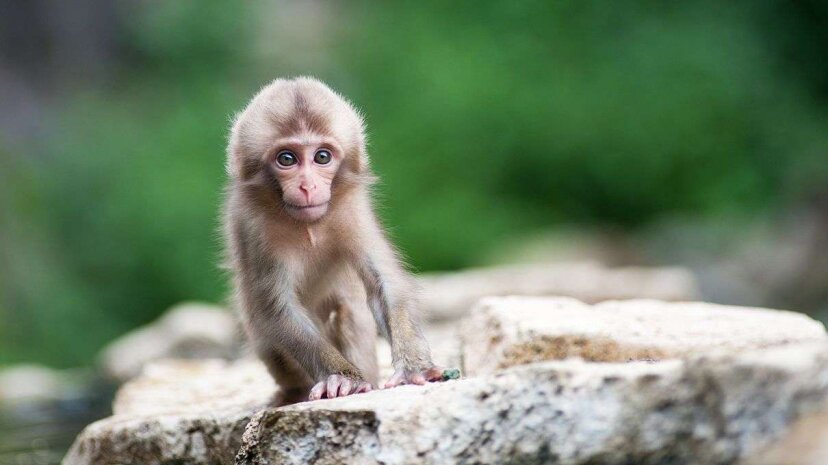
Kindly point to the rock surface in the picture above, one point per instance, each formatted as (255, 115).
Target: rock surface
(508, 331)
(177, 412)
(720, 400)
(189, 330)
(703, 411)
(447, 296)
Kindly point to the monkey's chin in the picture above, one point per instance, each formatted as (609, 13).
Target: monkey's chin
(307, 214)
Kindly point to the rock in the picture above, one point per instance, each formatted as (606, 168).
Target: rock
(448, 296)
(805, 443)
(444, 342)
(189, 330)
(701, 411)
(30, 383)
(177, 412)
(508, 331)
(700, 397)
(188, 411)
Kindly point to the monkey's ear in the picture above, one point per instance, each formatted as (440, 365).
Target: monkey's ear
(240, 164)
(363, 163)
(233, 163)
(249, 130)
(232, 166)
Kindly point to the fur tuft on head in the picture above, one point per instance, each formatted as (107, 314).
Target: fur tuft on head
(291, 107)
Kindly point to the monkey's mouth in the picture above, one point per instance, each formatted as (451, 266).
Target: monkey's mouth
(307, 213)
(306, 207)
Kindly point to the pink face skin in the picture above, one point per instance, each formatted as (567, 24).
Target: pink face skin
(305, 167)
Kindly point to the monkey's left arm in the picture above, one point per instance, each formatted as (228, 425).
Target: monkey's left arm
(391, 296)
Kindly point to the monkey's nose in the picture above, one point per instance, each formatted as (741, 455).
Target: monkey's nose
(307, 189)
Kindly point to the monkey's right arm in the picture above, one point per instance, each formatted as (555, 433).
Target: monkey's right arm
(277, 321)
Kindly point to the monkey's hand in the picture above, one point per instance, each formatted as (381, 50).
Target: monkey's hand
(404, 376)
(338, 386)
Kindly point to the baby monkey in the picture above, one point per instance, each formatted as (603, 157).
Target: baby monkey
(311, 262)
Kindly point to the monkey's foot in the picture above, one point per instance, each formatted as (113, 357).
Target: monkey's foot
(338, 386)
(401, 377)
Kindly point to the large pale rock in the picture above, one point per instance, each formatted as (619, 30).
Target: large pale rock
(702, 411)
(721, 400)
(447, 296)
(177, 412)
(711, 409)
(189, 330)
(507, 331)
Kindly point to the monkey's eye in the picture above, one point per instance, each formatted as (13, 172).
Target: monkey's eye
(286, 158)
(322, 157)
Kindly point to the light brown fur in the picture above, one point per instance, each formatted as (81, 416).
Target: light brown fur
(306, 286)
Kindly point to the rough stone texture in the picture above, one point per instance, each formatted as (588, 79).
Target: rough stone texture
(185, 411)
(508, 331)
(740, 379)
(177, 412)
(447, 296)
(702, 411)
(189, 330)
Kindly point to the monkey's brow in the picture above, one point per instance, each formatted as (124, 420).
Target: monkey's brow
(304, 139)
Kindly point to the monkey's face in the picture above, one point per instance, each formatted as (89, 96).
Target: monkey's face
(299, 144)
(305, 168)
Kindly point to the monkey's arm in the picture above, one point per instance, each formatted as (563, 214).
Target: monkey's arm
(391, 296)
(277, 321)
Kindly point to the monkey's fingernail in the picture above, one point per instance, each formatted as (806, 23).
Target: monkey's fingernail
(333, 386)
(345, 387)
(316, 392)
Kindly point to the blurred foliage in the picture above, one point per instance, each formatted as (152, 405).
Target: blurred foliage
(487, 120)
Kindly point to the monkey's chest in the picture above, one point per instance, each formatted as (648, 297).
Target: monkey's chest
(331, 287)
(318, 279)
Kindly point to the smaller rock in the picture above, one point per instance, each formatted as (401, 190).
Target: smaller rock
(30, 383)
(448, 296)
(189, 330)
(178, 411)
(805, 443)
(451, 373)
(503, 332)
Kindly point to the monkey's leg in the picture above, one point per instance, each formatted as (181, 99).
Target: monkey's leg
(352, 331)
(294, 382)
(276, 318)
(355, 335)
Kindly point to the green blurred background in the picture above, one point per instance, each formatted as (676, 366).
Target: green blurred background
(672, 126)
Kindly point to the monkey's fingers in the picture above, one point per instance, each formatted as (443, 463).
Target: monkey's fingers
(434, 374)
(345, 387)
(396, 379)
(338, 386)
(317, 391)
(332, 388)
(401, 377)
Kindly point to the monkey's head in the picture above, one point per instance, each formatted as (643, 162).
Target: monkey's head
(300, 145)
